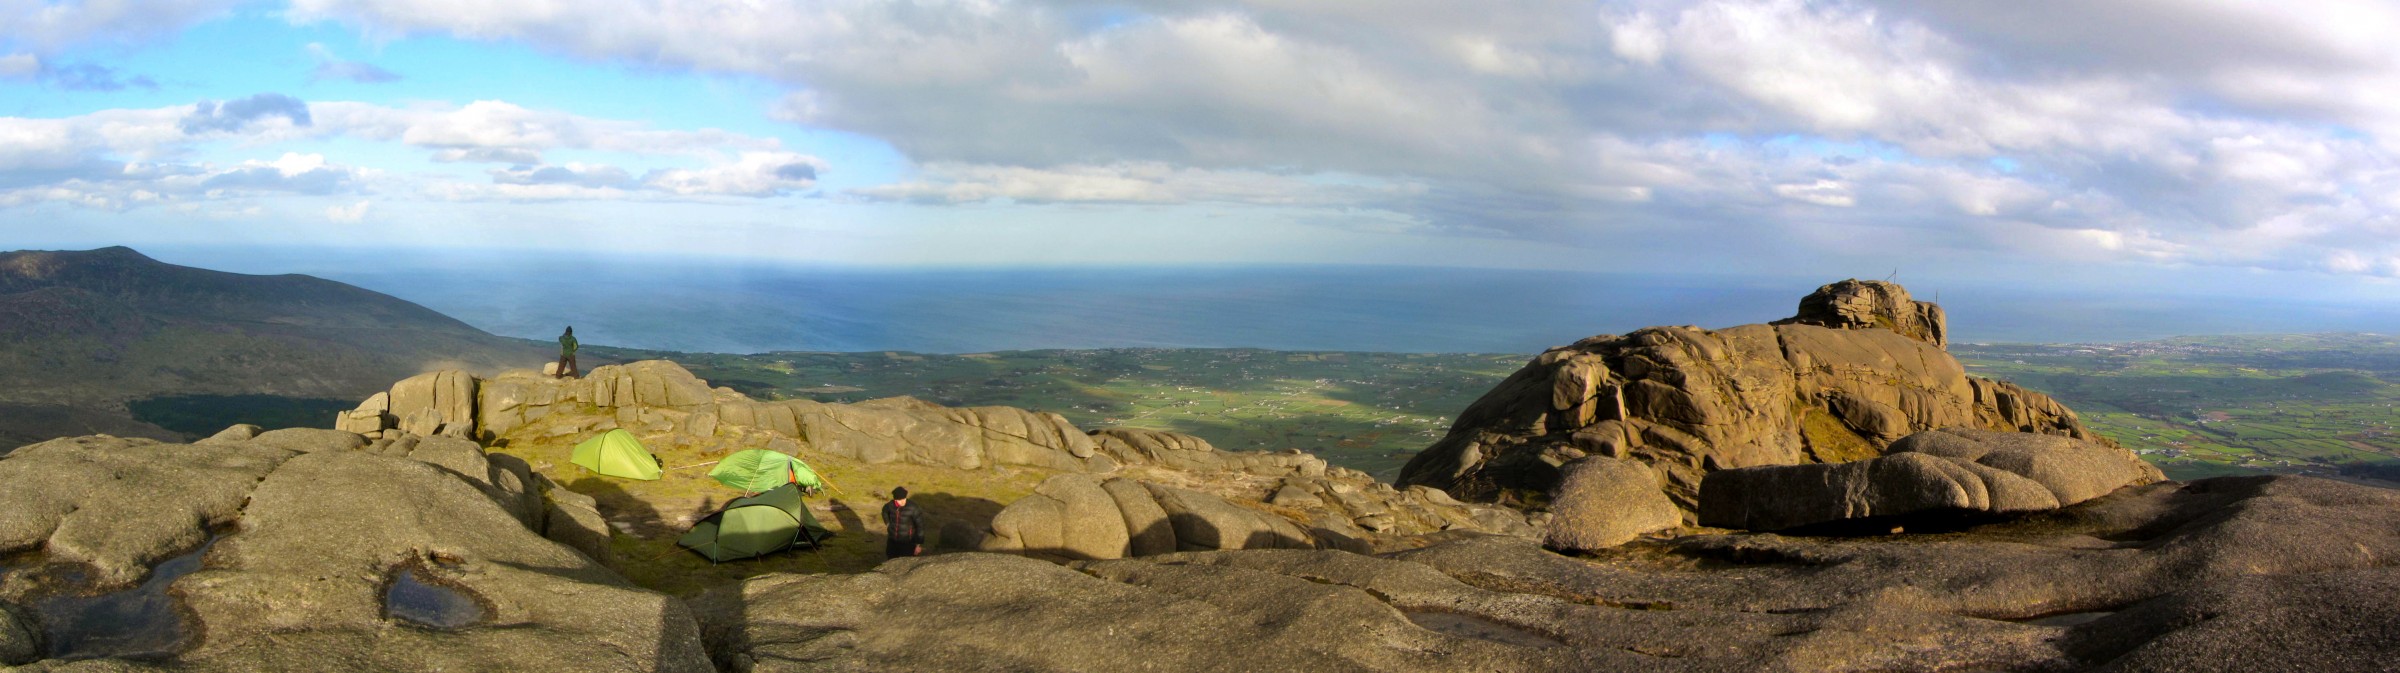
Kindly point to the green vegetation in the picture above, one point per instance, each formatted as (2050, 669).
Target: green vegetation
(2199, 406)
(648, 516)
(2207, 406)
(1368, 411)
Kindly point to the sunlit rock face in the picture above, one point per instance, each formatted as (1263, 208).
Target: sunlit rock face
(1860, 368)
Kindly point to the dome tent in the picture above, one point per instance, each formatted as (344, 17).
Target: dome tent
(756, 526)
(758, 470)
(617, 453)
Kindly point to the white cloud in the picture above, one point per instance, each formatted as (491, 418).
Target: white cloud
(330, 66)
(572, 173)
(118, 159)
(2209, 132)
(757, 174)
(501, 132)
(356, 212)
(48, 27)
(1827, 193)
(20, 66)
(1130, 183)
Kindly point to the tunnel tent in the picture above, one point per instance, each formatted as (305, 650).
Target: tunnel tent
(756, 526)
(760, 470)
(617, 453)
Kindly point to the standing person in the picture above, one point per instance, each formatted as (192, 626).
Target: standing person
(566, 353)
(904, 526)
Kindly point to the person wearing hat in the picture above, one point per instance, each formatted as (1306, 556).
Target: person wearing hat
(903, 526)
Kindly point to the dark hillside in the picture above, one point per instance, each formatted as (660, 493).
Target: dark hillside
(83, 333)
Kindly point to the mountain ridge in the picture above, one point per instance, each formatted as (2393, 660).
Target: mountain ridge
(88, 331)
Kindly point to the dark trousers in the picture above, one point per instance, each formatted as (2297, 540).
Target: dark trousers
(898, 547)
(566, 365)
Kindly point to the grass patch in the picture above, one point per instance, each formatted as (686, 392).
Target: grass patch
(650, 515)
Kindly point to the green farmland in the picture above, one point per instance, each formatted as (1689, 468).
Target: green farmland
(2201, 406)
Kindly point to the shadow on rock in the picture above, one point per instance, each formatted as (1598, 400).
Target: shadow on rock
(625, 512)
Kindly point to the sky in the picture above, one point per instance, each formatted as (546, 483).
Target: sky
(2201, 146)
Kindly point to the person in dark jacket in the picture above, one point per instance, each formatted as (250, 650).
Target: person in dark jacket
(566, 353)
(903, 526)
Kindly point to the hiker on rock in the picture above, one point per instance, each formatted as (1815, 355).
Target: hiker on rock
(566, 353)
(904, 525)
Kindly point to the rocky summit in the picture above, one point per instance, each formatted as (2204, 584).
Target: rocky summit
(1912, 519)
(1860, 367)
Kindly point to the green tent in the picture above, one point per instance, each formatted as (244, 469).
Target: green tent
(617, 453)
(756, 526)
(756, 470)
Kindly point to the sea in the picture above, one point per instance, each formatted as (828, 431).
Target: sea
(753, 308)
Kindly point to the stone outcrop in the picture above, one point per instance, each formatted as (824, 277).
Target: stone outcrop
(435, 403)
(659, 398)
(2071, 470)
(317, 534)
(574, 519)
(1872, 304)
(1080, 517)
(1947, 471)
(1178, 451)
(1074, 516)
(1688, 401)
(1603, 502)
(1069, 516)
(2219, 575)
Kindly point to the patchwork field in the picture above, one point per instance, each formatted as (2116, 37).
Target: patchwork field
(2197, 406)
(2203, 406)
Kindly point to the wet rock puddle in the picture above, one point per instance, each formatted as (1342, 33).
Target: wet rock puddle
(418, 597)
(142, 622)
(1471, 626)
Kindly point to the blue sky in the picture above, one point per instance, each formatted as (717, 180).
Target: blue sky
(2211, 147)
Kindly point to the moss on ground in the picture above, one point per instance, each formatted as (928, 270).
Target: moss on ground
(649, 515)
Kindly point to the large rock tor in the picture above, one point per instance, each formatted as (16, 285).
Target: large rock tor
(1864, 304)
(1861, 368)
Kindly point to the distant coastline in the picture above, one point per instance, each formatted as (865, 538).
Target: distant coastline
(715, 306)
